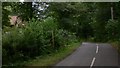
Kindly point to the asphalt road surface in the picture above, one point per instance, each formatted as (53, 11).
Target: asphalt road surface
(92, 55)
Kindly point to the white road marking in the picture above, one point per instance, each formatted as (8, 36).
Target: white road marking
(92, 63)
(84, 43)
(97, 49)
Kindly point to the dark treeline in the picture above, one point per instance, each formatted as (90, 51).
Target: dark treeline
(49, 27)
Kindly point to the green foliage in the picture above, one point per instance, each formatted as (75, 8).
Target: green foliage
(112, 29)
(5, 13)
(20, 44)
(74, 17)
(100, 17)
(24, 10)
(10, 40)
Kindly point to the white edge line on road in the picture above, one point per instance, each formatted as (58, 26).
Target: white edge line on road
(92, 62)
(97, 49)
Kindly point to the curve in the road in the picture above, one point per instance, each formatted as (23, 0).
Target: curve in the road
(92, 55)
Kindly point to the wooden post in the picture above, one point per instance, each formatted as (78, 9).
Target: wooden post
(112, 13)
(112, 16)
(53, 38)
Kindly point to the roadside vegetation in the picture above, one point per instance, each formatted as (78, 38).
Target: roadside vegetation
(52, 59)
(36, 39)
(116, 45)
(50, 31)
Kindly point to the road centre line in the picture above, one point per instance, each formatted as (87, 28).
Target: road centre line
(97, 49)
(92, 63)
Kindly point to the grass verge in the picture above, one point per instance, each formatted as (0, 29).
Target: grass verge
(116, 45)
(50, 60)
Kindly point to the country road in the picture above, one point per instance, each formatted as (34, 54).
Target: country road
(92, 55)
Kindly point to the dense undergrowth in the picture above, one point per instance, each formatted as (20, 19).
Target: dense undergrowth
(36, 39)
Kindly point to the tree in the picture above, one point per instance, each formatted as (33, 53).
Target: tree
(73, 17)
(24, 10)
(102, 15)
(5, 13)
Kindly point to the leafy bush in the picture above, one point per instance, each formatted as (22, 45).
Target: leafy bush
(10, 40)
(35, 39)
(112, 29)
